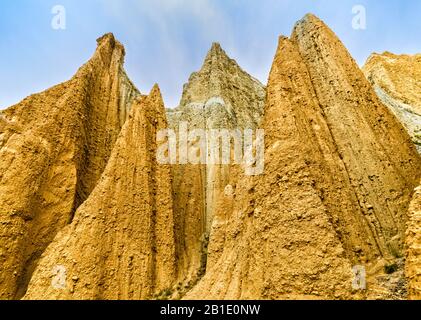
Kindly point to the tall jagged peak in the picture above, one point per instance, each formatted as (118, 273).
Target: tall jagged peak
(311, 24)
(308, 20)
(134, 237)
(413, 243)
(107, 37)
(222, 82)
(109, 53)
(390, 58)
(155, 95)
(217, 60)
(334, 154)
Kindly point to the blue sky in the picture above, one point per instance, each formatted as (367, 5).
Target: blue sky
(166, 40)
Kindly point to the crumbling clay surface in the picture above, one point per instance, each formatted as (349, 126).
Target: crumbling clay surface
(219, 96)
(339, 174)
(120, 244)
(397, 81)
(53, 148)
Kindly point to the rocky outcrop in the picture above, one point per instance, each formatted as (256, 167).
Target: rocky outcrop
(397, 81)
(366, 134)
(121, 243)
(220, 96)
(88, 210)
(339, 175)
(54, 147)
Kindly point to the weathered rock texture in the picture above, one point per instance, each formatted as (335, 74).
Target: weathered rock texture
(397, 81)
(339, 174)
(413, 242)
(87, 211)
(121, 243)
(54, 147)
(220, 96)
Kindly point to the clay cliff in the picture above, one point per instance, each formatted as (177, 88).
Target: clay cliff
(121, 243)
(219, 96)
(54, 147)
(340, 170)
(397, 81)
(413, 242)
